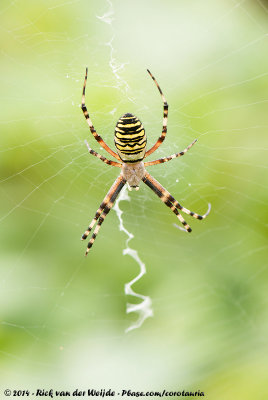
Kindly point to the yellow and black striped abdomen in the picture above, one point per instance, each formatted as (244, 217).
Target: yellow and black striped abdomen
(130, 139)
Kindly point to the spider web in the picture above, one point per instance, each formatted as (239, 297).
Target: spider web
(64, 316)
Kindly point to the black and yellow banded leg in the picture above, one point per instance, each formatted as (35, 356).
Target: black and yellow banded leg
(193, 214)
(165, 118)
(92, 129)
(102, 158)
(98, 226)
(104, 209)
(165, 197)
(115, 189)
(165, 159)
(187, 228)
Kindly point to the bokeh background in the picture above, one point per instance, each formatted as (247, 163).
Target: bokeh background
(63, 316)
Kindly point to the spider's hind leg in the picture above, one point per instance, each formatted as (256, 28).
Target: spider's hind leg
(91, 127)
(165, 119)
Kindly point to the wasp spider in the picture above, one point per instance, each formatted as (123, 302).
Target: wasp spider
(130, 141)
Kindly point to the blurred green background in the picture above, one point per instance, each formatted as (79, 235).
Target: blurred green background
(63, 316)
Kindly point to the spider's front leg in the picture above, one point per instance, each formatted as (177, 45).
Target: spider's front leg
(103, 210)
(169, 200)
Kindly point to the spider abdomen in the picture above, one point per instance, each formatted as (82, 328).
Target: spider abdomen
(130, 139)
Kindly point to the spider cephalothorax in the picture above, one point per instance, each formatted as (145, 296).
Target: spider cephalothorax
(130, 141)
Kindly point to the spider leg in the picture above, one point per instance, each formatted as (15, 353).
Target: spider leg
(103, 210)
(165, 197)
(102, 158)
(92, 129)
(169, 200)
(165, 118)
(165, 159)
(193, 214)
(104, 203)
